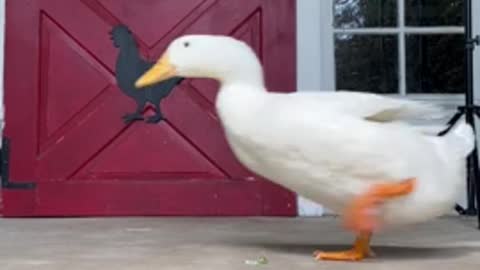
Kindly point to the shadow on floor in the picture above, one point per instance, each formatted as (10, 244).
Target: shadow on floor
(382, 252)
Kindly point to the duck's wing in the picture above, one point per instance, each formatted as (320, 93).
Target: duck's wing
(379, 108)
(339, 132)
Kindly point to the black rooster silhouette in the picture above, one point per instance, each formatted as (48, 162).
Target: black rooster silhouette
(129, 67)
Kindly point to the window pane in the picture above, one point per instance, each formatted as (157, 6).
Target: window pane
(435, 64)
(433, 12)
(366, 63)
(364, 13)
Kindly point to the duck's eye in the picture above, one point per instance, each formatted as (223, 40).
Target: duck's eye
(186, 44)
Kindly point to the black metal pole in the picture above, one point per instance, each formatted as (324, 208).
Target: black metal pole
(473, 182)
(469, 47)
(470, 107)
(470, 110)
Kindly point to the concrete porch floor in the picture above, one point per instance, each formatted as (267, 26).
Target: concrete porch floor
(225, 243)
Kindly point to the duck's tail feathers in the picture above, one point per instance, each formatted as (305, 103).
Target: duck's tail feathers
(461, 139)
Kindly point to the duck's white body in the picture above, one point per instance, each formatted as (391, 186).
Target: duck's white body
(329, 147)
(324, 147)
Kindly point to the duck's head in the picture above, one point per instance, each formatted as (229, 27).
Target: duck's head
(222, 58)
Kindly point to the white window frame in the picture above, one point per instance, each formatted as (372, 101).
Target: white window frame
(316, 60)
(315, 41)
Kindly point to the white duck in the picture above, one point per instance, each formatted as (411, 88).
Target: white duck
(351, 152)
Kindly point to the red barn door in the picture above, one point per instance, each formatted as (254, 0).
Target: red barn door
(64, 111)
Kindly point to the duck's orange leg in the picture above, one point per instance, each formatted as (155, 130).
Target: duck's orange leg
(359, 218)
(361, 250)
(359, 215)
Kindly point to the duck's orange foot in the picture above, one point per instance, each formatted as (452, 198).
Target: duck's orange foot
(360, 216)
(361, 250)
(349, 255)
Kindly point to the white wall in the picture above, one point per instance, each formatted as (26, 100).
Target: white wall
(314, 53)
(312, 74)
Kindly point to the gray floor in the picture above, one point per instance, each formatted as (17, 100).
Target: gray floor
(206, 243)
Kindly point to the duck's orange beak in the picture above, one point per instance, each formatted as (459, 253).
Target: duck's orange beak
(162, 70)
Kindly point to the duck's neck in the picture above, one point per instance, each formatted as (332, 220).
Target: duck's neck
(247, 72)
(238, 100)
(250, 81)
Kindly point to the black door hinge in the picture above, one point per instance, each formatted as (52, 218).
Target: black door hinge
(5, 166)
